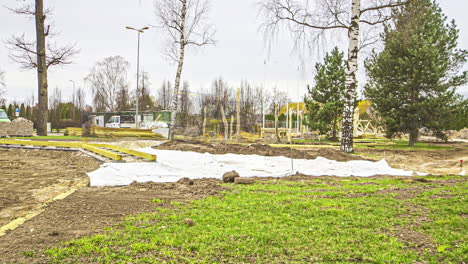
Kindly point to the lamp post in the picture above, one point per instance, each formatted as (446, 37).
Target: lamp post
(141, 30)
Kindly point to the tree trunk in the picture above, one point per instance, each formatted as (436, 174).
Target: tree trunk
(179, 66)
(414, 135)
(226, 125)
(42, 113)
(351, 81)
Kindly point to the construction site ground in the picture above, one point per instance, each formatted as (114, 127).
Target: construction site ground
(32, 178)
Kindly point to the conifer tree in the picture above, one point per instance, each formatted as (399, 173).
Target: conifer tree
(413, 80)
(326, 98)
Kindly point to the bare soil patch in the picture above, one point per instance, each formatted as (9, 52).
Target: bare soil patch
(89, 210)
(440, 161)
(31, 178)
(257, 149)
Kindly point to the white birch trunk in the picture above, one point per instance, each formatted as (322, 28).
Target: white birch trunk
(180, 66)
(351, 81)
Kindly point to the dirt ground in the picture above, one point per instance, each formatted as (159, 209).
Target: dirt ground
(89, 210)
(31, 178)
(426, 161)
(259, 149)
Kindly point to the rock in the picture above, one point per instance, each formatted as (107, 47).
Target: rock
(189, 222)
(185, 181)
(230, 176)
(240, 180)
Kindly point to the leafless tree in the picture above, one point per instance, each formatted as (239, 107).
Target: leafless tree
(186, 24)
(108, 80)
(308, 20)
(249, 106)
(145, 100)
(279, 98)
(2, 77)
(165, 95)
(35, 54)
(185, 105)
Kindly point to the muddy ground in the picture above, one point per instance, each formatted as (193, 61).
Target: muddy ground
(89, 210)
(30, 178)
(258, 149)
(441, 161)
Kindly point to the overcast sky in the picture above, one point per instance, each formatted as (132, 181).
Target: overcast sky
(98, 28)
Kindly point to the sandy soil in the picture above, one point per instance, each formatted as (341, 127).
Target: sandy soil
(89, 210)
(433, 162)
(31, 178)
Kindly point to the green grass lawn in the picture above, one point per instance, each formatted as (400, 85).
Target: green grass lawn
(344, 220)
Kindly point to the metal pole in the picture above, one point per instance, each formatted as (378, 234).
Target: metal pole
(138, 82)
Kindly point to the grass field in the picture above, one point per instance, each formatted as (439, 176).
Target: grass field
(314, 220)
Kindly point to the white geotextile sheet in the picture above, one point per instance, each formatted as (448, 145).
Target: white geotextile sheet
(173, 165)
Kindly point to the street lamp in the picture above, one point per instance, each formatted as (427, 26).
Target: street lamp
(141, 30)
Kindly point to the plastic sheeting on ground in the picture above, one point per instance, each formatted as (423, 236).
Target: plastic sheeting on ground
(174, 165)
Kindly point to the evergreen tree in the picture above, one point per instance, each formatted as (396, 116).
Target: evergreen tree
(10, 110)
(28, 113)
(413, 80)
(22, 111)
(326, 102)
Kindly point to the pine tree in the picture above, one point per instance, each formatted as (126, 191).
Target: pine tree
(10, 111)
(22, 111)
(413, 80)
(327, 96)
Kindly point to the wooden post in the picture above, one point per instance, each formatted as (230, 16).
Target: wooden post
(278, 139)
(290, 126)
(231, 128)
(204, 122)
(238, 115)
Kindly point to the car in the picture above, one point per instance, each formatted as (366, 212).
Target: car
(4, 117)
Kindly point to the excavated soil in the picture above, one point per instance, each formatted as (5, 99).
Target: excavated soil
(89, 210)
(31, 178)
(258, 149)
(441, 161)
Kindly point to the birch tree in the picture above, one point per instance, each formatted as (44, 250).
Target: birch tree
(39, 55)
(185, 23)
(109, 84)
(309, 20)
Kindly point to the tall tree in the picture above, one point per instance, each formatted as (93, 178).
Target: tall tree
(2, 87)
(186, 24)
(165, 95)
(185, 105)
(36, 54)
(308, 25)
(108, 80)
(327, 96)
(145, 100)
(412, 82)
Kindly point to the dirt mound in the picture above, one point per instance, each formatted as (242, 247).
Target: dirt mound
(257, 149)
